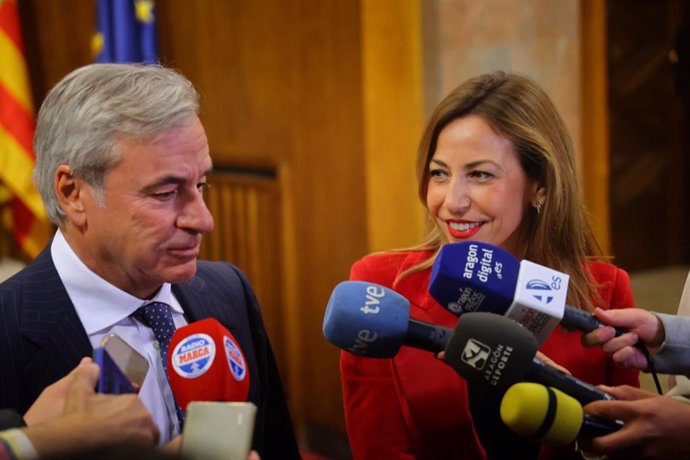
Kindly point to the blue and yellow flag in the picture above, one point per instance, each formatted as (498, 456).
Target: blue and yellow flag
(126, 31)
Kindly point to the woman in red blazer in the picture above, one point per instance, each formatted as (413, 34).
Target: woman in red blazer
(495, 165)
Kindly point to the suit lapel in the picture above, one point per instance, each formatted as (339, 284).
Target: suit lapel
(52, 332)
(197, 303)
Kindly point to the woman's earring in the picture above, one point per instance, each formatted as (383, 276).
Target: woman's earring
(538, 208)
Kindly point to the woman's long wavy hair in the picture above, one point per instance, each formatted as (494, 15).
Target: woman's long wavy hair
(516, 108)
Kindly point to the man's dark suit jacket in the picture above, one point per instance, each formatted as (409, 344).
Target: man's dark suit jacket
(10, 419)
(42, 340)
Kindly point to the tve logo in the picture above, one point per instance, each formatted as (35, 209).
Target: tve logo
(372, 300)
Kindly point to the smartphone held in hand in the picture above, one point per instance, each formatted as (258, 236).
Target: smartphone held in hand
(218, 430)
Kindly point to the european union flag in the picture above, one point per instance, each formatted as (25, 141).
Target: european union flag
(126, 31)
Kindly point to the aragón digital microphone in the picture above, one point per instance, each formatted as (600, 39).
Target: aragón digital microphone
(548, 415)
(205, 363)
(478, 277)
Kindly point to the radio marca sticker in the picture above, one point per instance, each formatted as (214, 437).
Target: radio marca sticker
(235, 359)
(193, 356)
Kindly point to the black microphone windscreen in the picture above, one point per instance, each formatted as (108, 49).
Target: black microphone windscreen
(490, 349)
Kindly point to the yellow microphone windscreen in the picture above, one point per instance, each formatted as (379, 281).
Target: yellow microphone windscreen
(545, 414)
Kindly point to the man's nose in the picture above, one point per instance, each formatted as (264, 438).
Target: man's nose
(195, 216)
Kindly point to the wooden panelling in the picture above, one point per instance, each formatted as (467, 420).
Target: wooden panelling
(57, 37)
(393, 119)
(649, 106)
(595, 127)
(247, 209)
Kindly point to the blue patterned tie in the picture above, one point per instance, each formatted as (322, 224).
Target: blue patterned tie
(158, 317)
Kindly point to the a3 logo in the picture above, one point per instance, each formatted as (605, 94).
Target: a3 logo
(475, 354)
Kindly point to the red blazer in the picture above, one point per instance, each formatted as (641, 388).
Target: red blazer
(414, 405)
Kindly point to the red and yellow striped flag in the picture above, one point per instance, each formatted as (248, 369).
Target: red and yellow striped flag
(25, 215)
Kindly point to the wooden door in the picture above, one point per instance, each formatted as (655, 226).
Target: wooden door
(649, 99)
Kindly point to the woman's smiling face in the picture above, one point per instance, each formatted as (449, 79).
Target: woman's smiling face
(477, 189)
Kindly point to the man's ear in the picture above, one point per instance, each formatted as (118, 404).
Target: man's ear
(70, 194)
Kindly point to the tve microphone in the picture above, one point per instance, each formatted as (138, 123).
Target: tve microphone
(548, 415)
(493, 350)
(371, 320)
(475, 276)
(205, 363)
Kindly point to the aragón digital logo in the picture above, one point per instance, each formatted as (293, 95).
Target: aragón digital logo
(193, 356)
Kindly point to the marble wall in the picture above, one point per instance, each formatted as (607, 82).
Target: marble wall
(537, 38)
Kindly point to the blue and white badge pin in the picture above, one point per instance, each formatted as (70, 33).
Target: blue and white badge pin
(238, 368)
(193, 356)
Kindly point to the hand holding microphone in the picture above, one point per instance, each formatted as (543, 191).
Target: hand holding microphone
(643, 326)
(655, 427)
(548, 415)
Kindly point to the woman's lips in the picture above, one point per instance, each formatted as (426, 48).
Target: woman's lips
(463, 230)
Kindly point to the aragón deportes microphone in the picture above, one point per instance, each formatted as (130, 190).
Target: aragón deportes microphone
(205, 363)
(548, 415)
(371, 320)
(475, 276)
(488, 349)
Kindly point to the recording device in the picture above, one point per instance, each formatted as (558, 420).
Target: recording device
(218, 430)
(371, 320)
(130, 361)
(473, 276)
(493, 350)
(111, 378)
(205, 363)
(548, 415)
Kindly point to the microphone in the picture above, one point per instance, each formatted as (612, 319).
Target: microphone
(474, 276)
(493, 350)
(371, 320)
(205, 363)
(549, 415)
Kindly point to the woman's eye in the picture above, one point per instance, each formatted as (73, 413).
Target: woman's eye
(437, 173)
(482, 175)
(201, 186)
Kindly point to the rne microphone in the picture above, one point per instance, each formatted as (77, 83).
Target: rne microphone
(488, 349)
(371, 320)
(548, 415)
(205, 363)
(472, 276)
